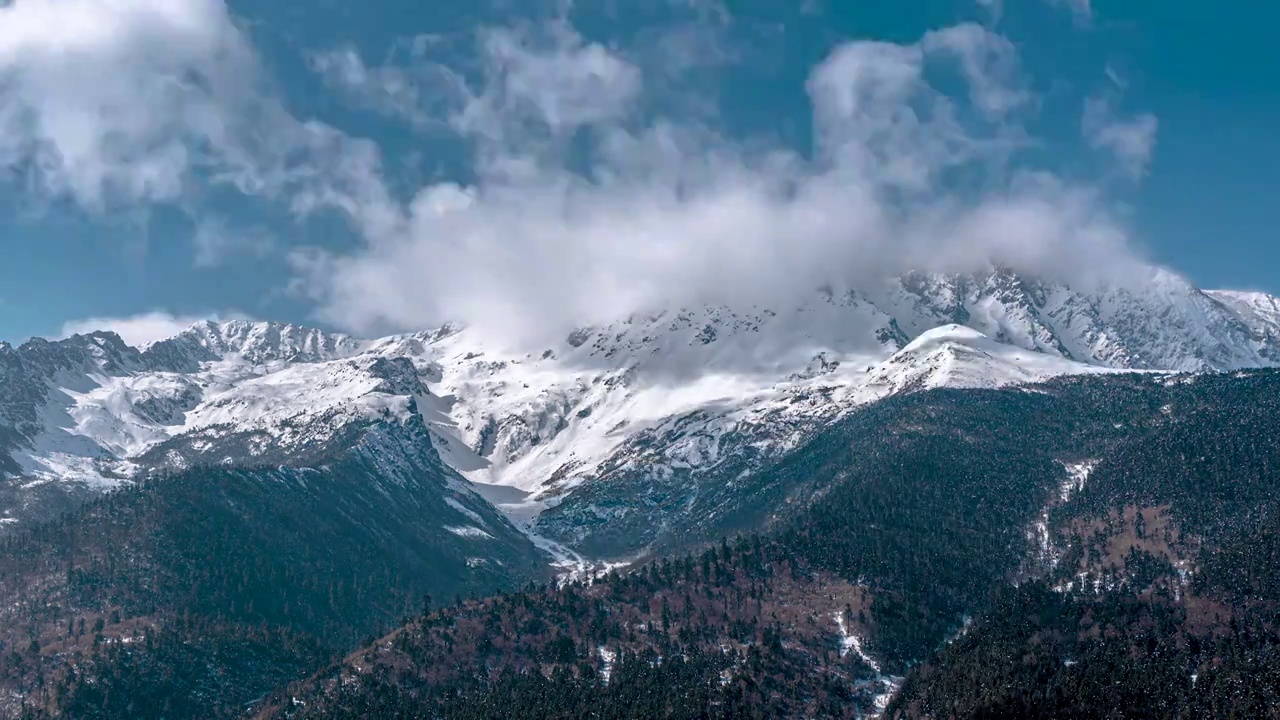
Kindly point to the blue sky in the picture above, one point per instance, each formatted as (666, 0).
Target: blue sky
(386, 165)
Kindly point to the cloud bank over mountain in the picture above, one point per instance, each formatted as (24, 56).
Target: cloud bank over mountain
(594, 186)
(585, 207)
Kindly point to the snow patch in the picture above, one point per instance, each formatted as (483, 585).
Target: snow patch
(887, 684)
(851, 642)
(471, 514)
(1077, 474)
(468, 531)
(607, 659)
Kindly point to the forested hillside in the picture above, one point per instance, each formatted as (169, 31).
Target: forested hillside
(740, 630)
(1162, 593)
(1007, 553)
(195, 592)
(1085, 549)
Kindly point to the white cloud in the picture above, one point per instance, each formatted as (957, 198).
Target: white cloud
(140, 330)
(988, 61)
(540, 89)
(110, 100)
(587, 201)
(663, 212)
(390, 89)
(540, 85)
(1130, 141)
(115, 104)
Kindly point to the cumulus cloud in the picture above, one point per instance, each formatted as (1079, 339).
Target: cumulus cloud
(116, 99)
(589, 195)
(1131, 141)
(119, 103)
(140, 330)
(583, 211)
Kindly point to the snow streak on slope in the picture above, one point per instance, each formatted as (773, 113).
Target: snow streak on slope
(886, 684)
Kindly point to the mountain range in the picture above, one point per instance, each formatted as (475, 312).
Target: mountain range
(673, 394)
(449, 462)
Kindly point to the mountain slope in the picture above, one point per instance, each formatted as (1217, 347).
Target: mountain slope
(723, 634)
(1030, 546)
(703, 474)
(1159, 589)
(289, 564)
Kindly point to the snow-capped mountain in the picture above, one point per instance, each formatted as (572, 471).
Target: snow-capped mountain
(656, 399)
(1160, 323)
(80, 409)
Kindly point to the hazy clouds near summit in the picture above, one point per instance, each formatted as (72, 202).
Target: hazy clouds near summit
(657, 211)
(595, 185)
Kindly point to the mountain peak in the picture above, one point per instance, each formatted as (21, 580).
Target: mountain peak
(957, 356)
(944, 334)
(103, 349)
(1256, 304)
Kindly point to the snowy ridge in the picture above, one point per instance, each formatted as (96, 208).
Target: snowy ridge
(1161, 322)
(956, 356)
(1259, 311)
(86, 407)
(255, 343)
(674, 391)
(528, 419)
